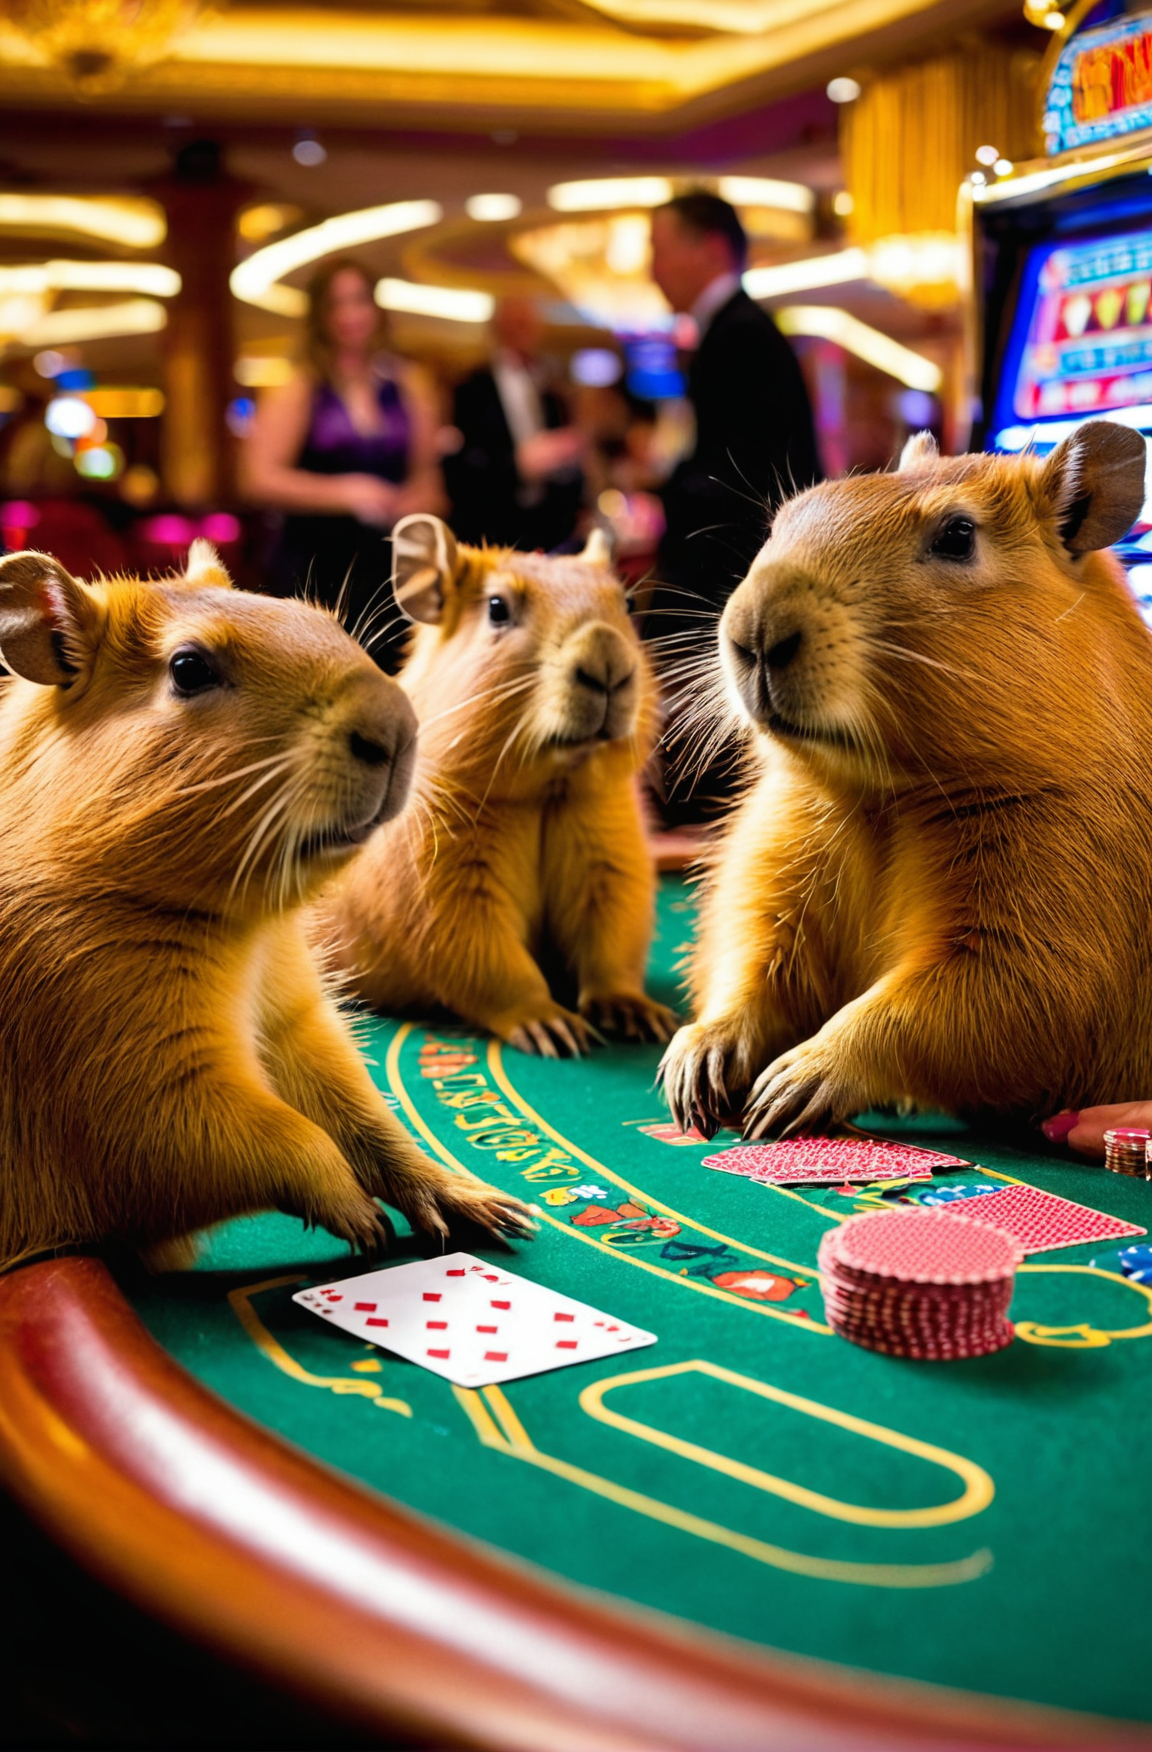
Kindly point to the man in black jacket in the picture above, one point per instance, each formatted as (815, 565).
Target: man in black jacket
(515, 480)
(754, 444)
(754, 438)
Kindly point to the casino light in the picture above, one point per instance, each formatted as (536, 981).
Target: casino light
(843, 90)
(596, 368)
(489, 209)
(309, 152)
(450, 302)
(100, 464)
(803, 276)
(255, 371)
(69, 417)
(133, 222)
(987, 154)
(830, 323)
(150, 278)
(123, 402)
(60, 328)
(1003, 167)
(256, 281)
(766, 191)
(600, 193)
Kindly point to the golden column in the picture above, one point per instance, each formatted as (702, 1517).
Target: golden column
(197, 450)
(910, 138)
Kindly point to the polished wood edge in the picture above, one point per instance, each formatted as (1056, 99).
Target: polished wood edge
(243, 1542)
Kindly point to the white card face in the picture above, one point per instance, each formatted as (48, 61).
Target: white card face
(469, 1321)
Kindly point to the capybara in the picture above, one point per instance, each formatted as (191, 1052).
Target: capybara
(938, 886)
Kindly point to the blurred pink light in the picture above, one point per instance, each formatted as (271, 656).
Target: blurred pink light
(18, 514)
(169, 531)
(221, 526)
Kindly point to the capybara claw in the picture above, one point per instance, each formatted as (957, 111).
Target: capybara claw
(556, 1034)
(630, 1016)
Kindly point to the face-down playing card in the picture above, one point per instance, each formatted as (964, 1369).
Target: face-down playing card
(469, 1321)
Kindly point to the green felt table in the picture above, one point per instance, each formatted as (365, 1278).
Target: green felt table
(981, 1525)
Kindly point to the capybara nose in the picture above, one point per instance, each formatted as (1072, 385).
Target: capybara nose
(603, 661)
(780, 655)
(371, 753)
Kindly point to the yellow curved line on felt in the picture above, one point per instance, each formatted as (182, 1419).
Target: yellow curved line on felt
(272, 1348)
(1083, 1337)
(396, 1083)
(978, 1487)
(497, 1067)
(821, 1569)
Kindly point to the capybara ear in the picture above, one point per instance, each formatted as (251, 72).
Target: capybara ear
(920, 450)
(204, 568)
(597, 550)
(1093, 485)
(49, 624)
(424, 566)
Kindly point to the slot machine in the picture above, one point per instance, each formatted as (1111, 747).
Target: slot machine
(1063, 260)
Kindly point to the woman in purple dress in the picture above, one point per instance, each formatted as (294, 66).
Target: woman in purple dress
(345, 449)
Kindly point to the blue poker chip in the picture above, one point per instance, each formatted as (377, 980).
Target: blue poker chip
(1136, 1263)
(942, 1195)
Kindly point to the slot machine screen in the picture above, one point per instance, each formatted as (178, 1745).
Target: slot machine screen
(1080, 347)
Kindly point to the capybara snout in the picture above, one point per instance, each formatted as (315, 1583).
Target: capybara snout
(602, 693)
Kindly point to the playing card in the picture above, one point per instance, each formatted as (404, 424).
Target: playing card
(469, 1321)
(1041, 1221)
(830, 1161)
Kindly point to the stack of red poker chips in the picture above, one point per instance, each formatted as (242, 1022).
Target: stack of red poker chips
(920, 1283)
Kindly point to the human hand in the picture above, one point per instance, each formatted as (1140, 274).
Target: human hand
(546, 452)
(368, 498)
(1084, 1131)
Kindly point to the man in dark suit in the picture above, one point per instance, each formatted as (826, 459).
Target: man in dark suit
(754, 446)
(515, 480)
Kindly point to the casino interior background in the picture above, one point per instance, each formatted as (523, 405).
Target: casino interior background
(171, 172)
(165, 169)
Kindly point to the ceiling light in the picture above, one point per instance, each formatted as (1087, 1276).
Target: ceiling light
(843, 90)
(309, 152)
(827, 270)
(1003, 167)
(610, 191)
(842, 204)
(255, 281)
(987, 154)
(493, 207)
(1055, 21)
(49, 363)
(832, 324)
(150, 278)
(135, 223)
(451, 302)
(60, 328)
(766, 191)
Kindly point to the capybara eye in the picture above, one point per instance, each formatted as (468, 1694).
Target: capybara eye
(956, 540)
(498, 611)
(192, 672)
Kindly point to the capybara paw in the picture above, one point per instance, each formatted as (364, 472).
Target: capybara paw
(703, 1075)
(552, 1033)
(799, 1092)
(360, 1222)
(630, 1015)
(489, 1208)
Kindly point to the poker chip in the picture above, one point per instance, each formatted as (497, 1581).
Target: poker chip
(920, 1282)
(1126, 1151)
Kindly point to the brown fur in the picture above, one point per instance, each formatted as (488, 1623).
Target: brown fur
(169, 1056)
(525, 830)
(939, 885)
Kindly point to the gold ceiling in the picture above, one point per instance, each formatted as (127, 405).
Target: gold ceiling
(616, 66)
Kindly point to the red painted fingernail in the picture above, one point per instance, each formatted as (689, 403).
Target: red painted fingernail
(1057, 1128)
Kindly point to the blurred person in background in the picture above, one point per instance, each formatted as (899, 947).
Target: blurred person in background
(344, 449)
(755, 442)
(754, 445)
(515, 478)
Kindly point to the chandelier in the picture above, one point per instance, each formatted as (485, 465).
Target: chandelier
(100, 43)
